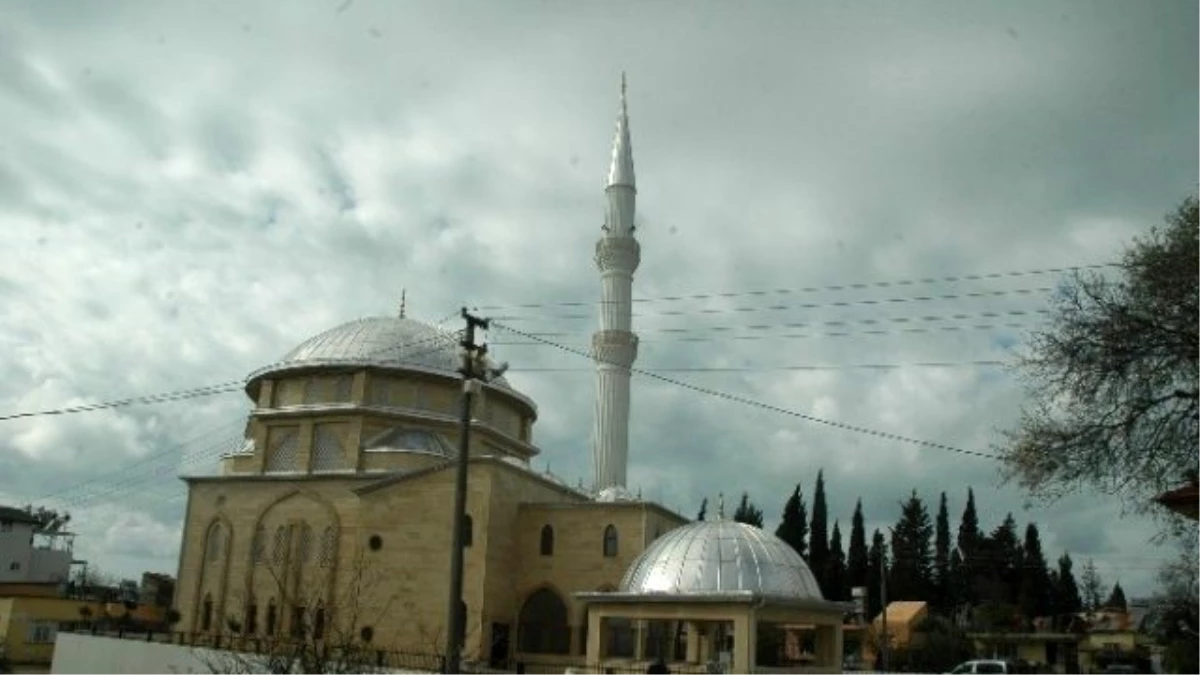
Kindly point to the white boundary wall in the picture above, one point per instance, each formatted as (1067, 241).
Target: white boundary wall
(82, 653)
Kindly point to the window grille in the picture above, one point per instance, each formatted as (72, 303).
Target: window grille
(304, 546)
(283, 451)
(279, 552)
(328, 451)
(328, 546)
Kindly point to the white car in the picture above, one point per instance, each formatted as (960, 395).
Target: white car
(990, 666)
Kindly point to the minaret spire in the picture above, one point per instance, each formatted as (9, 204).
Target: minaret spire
(614, 345)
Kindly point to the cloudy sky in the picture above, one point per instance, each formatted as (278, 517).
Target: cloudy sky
(190, 189)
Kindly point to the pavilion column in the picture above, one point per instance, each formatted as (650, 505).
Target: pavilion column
(745, 639)
(829, 645)
(639, 639)
(693, 642)
(596, 637)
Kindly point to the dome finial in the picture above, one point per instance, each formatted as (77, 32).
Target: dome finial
(403, 301)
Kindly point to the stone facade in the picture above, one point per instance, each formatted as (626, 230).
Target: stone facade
(331, 517)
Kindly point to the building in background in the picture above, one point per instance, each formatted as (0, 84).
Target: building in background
(29, 554)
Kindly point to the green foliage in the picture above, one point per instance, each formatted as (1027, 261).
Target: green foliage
(1065, 589)
(912, 565)
(1092, 587)
(818, 532)
(876, 559)
(942, 598)
(793, 526)
(49, 520)
(1116, 599)
(1113, 381)
(748, 513)
(1034, 597)
(835, 569)
(856, 557)
(937, 646)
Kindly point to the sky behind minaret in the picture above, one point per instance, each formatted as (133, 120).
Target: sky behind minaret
(190, 189)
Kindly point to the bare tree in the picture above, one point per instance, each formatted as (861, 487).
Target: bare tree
(48, 520)
(319, 624)
(1113, 380)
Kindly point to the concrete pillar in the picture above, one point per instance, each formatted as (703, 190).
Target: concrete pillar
(693, 642)
(639, 639)
(596, 638)
(745, 639)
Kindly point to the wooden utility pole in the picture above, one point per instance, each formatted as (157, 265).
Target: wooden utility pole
(472, 371)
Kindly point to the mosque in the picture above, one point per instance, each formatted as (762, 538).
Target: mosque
(334, 519)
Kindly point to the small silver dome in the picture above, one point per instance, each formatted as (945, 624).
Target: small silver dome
(721, 556)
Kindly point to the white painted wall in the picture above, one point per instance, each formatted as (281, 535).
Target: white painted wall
(83, 653)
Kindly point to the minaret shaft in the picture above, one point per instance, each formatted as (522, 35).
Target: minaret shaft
(614, 345)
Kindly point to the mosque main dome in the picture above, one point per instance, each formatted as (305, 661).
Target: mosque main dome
(393, 342)
(721, 557)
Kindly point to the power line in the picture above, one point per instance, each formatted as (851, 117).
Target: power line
(213, 389)
(792, 336)
(771, 369)
(807, 305)
(765, 406)
(927, 318)
(812, 289)
(181, 395)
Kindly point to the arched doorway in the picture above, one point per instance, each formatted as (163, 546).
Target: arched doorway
(543, 627)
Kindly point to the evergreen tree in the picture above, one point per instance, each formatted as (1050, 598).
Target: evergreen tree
(1116, 600)
(1035, 579)
(748, 513)
(1005, 560)
(1066, 591)
(970, 538)
(818, 534)
(912, 565)
(1092, 588)
(856, 558)
(958, 579)
(876, 557)
(703, 509)
(835, 571)
(793, 527)
(943, 596)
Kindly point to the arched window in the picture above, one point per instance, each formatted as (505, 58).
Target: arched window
(251, 617)
(547, 545)
(468, 530)
(258, 548)
(304, 546)
(214, 542)
(610, 541)
(543, 625)
(279, 550)
(328, 546)
(272, 617)
(206, 613)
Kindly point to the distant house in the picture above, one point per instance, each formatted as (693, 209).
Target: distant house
(27, 554)
(1185, 499)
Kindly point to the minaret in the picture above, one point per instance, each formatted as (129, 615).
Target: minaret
(614, 346)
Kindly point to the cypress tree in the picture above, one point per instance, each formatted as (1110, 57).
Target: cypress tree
(1035, 578)
(703, 509)
(793, 527)
(748, 513)
(876, 557)
(818, 534)
(835, 571)
(856, 558)
(943, 593)
(969, 540)
(1092, 589)
(1066, 591)
(1005, 559)
(1116, 600)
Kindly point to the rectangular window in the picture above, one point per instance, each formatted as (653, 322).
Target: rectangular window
(329, 446)
(283, 449)
(42, 632)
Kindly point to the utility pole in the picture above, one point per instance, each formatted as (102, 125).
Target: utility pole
(472, 371)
